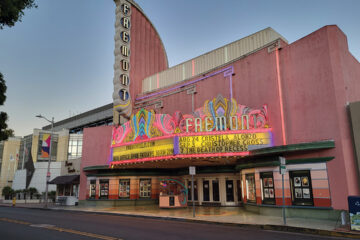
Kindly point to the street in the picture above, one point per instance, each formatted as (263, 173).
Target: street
(23, 223)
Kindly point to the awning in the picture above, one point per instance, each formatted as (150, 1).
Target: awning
(66, 179)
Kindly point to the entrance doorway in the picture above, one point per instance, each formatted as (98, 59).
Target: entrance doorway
(229, 190)
(215, 188)
(206, 190)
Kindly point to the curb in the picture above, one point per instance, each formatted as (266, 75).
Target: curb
(266, 227)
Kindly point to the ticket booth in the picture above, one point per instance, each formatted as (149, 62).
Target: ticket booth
(173, 194)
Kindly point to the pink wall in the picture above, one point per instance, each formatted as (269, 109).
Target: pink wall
(95, 151)
(147, 52)
(315, 97)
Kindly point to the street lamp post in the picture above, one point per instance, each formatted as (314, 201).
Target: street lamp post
(48, 167)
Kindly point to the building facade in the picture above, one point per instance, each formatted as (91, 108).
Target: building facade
(236, 113)
(9, 158)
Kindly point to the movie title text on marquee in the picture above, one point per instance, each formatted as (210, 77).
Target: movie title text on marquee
(222, 143)
(158, 148)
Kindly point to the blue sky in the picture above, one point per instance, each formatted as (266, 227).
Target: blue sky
(59, 60)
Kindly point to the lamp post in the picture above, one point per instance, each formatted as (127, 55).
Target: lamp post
(48, 167)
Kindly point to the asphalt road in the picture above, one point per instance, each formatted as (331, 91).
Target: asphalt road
(23, 223)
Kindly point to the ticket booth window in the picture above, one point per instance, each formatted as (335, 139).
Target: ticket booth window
(104, 189)
(268, 191)
(301, 189)
(250, 188)
(124, 188)
(92, 192)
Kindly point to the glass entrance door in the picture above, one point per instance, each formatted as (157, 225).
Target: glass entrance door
(215, 188)
(229, 190)
(206, 190)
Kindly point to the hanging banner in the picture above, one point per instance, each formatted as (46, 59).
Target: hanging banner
(45, 146)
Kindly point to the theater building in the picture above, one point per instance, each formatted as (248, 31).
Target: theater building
(235, 113)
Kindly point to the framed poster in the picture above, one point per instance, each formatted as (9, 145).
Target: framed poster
(271, 193)
(305, 181)
(297, 181)
(270, 181)
(266, 182)
(306, 193)
(298, 193)
(266, 193)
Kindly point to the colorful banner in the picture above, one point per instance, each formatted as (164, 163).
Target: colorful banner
(45, 146)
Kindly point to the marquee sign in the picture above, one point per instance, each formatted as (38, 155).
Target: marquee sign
(238, 142)
(149, 149)
(220, 127)
(121, 94)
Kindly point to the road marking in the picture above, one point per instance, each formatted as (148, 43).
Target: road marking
(14, 221)
(52, 227)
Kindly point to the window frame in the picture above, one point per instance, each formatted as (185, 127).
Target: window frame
(142, 190)
(127, 190)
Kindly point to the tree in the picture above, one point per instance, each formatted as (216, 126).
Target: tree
(7, 192)
(33, 191)
(11, 11)
(2, 89)
(5, 133)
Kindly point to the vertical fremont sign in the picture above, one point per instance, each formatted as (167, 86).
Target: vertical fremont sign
(121, 94)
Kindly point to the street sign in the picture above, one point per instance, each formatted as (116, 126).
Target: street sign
(282, 169)
(192, 170)
(282, 161)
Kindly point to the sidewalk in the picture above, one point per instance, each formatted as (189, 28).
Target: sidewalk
(218, 215)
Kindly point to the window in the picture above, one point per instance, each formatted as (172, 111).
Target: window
(92, 193)
(75, 190)
(104, 189)
(124, 188)
(145, 188)
(301, 190)
(75, 146)
(250, 188)
(43, 148)
(25, 149)
(268, 191)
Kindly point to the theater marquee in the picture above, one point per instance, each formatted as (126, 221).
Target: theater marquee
(220, 127)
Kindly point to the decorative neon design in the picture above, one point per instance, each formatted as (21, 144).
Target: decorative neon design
(147, 126)
(280, 96)
(184, 190)
(206, 155)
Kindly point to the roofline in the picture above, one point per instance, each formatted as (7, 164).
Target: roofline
(79, 116)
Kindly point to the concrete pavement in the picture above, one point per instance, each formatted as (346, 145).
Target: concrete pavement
(218, 215)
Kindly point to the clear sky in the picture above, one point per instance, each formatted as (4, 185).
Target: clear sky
(59, 60)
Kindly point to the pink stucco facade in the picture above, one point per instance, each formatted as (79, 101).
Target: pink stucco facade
(95, 151)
